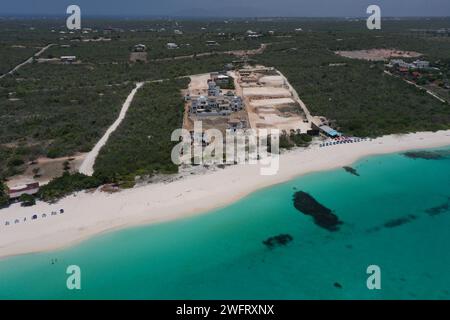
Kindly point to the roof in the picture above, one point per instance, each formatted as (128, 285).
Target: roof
(26, 187)
(329, 131)
(16, 192)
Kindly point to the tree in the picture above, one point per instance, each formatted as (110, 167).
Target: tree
(27, 200)
(36, 172)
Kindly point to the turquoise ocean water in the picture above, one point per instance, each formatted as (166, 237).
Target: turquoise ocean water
(395, 215)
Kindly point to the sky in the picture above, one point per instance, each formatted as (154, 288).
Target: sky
(229, 8)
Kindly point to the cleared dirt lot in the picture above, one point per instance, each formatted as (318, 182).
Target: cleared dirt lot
(272, 105)
(267, 92)
(199, 84)
(48, 170)
(378, 54)
(271, 102)
(272, 81)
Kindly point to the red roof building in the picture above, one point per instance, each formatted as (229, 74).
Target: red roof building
(30, 188)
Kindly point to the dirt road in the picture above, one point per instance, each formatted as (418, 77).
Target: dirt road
(29, 60)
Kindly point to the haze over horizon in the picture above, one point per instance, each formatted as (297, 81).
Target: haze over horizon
(232, 8)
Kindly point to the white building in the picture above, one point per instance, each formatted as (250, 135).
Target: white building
(172, 45)
(213, 89)
(68, 59)
(139, 48)
(401, 64)
(419, 64)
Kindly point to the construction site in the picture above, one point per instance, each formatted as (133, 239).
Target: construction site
(260, 98)
(270, 101)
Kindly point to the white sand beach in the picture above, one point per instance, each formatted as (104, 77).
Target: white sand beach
(89, 214)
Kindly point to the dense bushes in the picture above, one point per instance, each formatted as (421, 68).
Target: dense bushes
(4, 199)
(67, 184)
(142, 143)
(357, 96)
(27, 200)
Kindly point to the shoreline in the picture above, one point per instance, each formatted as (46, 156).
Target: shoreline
(92, 214)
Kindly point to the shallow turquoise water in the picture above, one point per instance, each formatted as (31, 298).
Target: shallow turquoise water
(221, 254)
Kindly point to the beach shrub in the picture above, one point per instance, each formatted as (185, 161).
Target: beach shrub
(67, 184)
(27, 200)
(301, 139)
(4, 198)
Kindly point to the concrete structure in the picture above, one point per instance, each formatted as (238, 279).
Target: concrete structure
(215, 105)
(221, 79)
(400, 64)
(213, 89)
(236, 124)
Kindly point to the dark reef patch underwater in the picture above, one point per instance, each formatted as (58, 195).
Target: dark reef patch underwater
(272, 244)
(322, 216)
(445, 207)
(351, 170)
(428, 155)
(400, 221)
(280, 240)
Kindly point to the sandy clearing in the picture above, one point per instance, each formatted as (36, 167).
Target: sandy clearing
(271, 102)
(266, 92)
(378, 54)
(272, 81)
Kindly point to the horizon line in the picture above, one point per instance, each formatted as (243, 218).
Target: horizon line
(121, 16)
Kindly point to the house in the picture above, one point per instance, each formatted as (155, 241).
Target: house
(68, 59)
(401, 64)
(139, 48)
(213, 89)
(215, 105)
(421, 64)
(211, 43)
(172, 45)
(30, 188)
(220, 78)
(254, 36)
(229, 66)
(236, 124)
(179, 32)
(329, 131)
